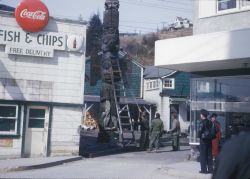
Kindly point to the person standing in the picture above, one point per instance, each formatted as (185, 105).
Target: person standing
(216, 140)
(144, 123)
(175, 131)
(204, 132)
(156, 131)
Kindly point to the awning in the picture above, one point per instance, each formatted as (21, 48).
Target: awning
(205, 52)
(129, 100)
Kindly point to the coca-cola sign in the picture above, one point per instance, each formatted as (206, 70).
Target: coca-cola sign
(32, 15)
(37, 15)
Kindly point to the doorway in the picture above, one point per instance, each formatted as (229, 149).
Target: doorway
(36, 135)
(174, 108)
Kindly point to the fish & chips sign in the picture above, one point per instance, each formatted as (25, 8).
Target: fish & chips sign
(41, 44)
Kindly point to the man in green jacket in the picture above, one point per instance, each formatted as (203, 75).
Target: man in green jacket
(155, 132)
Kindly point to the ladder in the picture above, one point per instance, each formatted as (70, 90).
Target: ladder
(126, 128)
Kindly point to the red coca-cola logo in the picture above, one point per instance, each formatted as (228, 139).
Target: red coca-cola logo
(32, 15)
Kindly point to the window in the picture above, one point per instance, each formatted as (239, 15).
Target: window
(203, 87)
(168, 83)
(8, 119)
(152, 84)
(226, 4)
(36, 118)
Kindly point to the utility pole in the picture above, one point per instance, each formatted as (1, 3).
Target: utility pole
(163, 24)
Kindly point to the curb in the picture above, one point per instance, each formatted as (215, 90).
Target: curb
(43, 165)
(103, 153)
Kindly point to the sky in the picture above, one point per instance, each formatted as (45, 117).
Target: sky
(136, 16)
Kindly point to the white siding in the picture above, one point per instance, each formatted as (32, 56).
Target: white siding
(183, 117)
(207, 8)
(164, 109)
(65, 135)
(162, 103)
(58, 79)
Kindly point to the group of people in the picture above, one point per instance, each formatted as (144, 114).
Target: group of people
(209, 132)
(150, 136)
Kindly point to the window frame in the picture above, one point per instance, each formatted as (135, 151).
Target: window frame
(30, 125)
(152, 85)
(203, 87)
(169, 87)
(17, 118)
(226, 11)
(213, 9)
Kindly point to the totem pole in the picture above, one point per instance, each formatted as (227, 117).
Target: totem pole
(110, 48)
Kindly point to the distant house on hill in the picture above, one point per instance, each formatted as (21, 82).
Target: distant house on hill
(180, 23)
(169, 90)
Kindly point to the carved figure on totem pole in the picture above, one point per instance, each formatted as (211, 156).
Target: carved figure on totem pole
(110, 48)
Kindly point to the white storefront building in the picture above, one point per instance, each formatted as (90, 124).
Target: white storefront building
(41, 87)
(219, 56)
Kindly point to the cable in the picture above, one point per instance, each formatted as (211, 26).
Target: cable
(159, 6)
(174, 2)
(137, 27)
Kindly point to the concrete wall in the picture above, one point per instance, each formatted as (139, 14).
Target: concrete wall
(207, 20)
(65, 136)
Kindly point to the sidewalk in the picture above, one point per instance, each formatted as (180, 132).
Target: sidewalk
(181, 170)
(20, 164)
(185, 170)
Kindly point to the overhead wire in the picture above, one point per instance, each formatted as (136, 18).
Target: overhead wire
(153, 5)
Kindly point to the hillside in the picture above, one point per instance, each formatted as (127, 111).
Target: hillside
(141, 47)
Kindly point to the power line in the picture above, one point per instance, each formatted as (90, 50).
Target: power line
(153, 5)
(137, 27)
(139, 22)
(174, 2)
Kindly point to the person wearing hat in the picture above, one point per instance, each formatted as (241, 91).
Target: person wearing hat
(156, 131)
(175, 131)
(204, 132)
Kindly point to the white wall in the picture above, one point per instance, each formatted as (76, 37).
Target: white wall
(213, 51)
(162, 103)
(183, 117)
(164, 107)
(65, 135)
(57, 79)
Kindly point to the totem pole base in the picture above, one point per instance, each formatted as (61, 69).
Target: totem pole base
(103, 137)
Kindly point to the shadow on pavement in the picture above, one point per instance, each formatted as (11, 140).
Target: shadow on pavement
(90, 147)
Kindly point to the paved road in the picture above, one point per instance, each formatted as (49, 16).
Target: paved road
(123, 166)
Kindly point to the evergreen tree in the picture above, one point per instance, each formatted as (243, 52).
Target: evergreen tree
(93, 47)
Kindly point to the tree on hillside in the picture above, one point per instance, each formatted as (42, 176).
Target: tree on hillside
(93, 47)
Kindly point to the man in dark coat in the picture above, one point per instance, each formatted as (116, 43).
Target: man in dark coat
(205, 143)
(144, 123)
(156, 131)
(234, 159)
